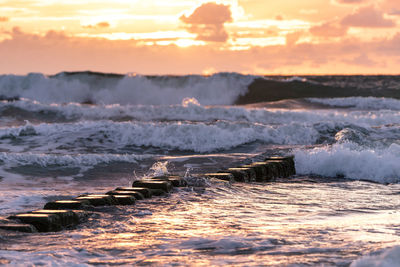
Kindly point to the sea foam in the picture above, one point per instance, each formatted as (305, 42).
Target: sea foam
(72, 160)
(191, 110)
(350, 160)
(386, 258)
(366, 103)
(221, 88)
(198, 137)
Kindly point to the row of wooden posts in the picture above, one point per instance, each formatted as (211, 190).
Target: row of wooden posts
(66, 214)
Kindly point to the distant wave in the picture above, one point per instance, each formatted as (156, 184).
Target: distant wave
(100, 88)
(265, 90)
(366, 103)
(218, 89)
(290, 111)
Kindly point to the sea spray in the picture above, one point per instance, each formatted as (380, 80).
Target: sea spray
(350, 160)
(158, 169)
(221, 88)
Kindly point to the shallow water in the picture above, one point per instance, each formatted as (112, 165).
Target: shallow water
(302, 221)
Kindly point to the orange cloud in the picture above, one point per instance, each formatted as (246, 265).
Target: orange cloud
(4, 19)
(56, 51)
(368, 17)
(208, 20)
(395, 12)
(292, 38)
(102, 24)
(362, 60)
(349, 1)
(394, 4)
(329, 29)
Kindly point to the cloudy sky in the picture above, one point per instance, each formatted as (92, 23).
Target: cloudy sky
(201, 37)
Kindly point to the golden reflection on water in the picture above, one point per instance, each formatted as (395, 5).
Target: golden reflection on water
(246, 224)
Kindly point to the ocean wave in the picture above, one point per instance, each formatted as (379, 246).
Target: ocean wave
(217, 89)
(198, 137)
(351, 160)
(389, 257)
(56, 258)
(366, 103)
(19, 201)
(191, 112)
(221, 88)
(224, 129)
(72, 160)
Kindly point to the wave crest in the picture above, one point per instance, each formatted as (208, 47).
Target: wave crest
(217, 89)
(350, 160)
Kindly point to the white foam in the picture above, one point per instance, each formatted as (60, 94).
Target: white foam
(199, 137)
(221, 88)
(199, 128)
(366, 103)
(226, 244)
(387, 258)
(351, 161)
(193, 111)
(223, 244)
(186, 135)
(295, 79)
(159, 169)
(72, 160)
(20, 201)
(64, 257)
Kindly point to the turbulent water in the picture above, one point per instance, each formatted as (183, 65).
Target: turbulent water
(73, 133)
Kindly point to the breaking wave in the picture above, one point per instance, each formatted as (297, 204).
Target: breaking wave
(73, 160)
(352, 161)
(366, 103)
(198, 137)
(222, 88)
(389, 257)
(27, 109)
(217, 89)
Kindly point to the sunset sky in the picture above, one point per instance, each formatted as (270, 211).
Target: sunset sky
(201, 37)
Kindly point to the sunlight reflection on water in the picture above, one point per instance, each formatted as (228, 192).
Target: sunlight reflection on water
(245, 224)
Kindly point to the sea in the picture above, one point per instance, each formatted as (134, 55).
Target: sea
(74, 133)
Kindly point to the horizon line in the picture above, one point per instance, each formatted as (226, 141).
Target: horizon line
(105, 73)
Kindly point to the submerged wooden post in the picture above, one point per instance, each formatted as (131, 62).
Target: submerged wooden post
(62, 214)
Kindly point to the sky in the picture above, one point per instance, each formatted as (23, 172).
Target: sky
(286, 37)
